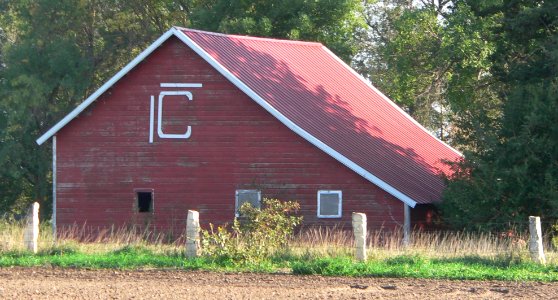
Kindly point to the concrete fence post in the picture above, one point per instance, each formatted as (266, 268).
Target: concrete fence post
(359, 230)
(193, 234)
(535, 240)
(31, 232)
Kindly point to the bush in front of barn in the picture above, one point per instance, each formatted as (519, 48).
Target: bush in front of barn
(255, 235)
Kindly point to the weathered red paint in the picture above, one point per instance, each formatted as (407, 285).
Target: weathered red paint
(103, 156)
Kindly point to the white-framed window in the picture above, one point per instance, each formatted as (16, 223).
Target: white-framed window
(330, 204)
(253, 197)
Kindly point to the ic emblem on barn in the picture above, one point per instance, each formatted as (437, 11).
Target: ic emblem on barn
(179, 92)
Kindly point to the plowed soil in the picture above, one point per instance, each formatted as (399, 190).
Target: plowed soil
(47, 283)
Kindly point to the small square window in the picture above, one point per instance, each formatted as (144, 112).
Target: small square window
(329, 204)
(253, 197)
(144, 201)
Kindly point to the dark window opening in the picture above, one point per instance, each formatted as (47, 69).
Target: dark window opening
(145, 201)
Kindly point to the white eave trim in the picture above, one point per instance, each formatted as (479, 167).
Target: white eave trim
(389, 101)
(74, 113)
(290, 124)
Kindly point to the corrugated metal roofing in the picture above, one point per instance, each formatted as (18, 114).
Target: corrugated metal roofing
(313, 88)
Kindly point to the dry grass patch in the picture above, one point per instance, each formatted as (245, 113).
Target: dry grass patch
(310, 242)
(332, 242)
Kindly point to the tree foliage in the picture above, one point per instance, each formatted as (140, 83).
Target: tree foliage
(515, 175)
(432, 58)
(332, 22)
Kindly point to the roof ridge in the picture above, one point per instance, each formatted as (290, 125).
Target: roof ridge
(248, 37)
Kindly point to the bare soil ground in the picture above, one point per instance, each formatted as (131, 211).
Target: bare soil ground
(47, 283)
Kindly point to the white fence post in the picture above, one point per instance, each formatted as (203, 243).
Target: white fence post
(193, 234)
(359, 230)
(535, 240)
(31, 232)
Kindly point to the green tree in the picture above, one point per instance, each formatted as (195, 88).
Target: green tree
(519, 176)
(332, 22)
(515, 175)
(42, 69)
(432, 58)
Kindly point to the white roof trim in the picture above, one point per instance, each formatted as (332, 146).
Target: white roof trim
(290, 124)
(389, 101)
(74, 113)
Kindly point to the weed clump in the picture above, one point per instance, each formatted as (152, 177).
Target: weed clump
(255, 235)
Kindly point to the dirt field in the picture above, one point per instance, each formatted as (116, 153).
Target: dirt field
(45, 283)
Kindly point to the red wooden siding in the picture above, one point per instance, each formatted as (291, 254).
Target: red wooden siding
(104, 154)
(311, 87)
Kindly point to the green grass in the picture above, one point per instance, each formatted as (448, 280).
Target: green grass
(129, 257)
(464, 268)
(410, 266)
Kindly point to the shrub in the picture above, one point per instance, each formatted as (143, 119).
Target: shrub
(256, 235)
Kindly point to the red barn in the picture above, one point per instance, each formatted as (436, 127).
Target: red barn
(208, 121)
